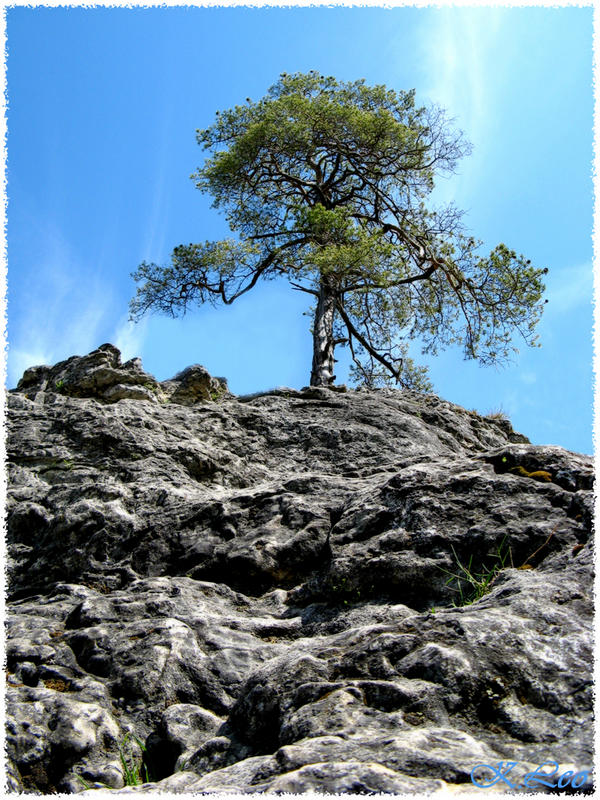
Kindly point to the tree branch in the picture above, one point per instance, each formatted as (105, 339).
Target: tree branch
(365, 343)
(301, 288)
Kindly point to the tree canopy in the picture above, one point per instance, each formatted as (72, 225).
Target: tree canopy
(326, 183)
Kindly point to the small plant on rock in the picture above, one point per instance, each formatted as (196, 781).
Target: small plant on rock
(217, 393)
(479, 582)
(134, 774)
(497, 413)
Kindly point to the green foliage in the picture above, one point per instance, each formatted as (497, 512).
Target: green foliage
(217, 393)
(470, 585)
(326, 182)
(87, 785)
(134, 773)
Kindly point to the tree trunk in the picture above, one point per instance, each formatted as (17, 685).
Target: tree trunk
(323, 343)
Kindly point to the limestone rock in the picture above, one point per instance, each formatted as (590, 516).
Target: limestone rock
(194, 385)
(101, 375)
(315, 590)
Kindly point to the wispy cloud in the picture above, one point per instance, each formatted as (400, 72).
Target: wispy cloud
(155, 233)
(129, 338)
(21, 359)
(458, 75)
(569, 288)
(62, 313)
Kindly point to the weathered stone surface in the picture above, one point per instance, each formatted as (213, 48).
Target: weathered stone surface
(101, 375)
(194, 385)
(261, 589)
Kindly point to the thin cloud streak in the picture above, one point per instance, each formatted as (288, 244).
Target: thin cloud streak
(129, 338)
(570, 288)
(155, 234)
(19, 360)
(458, 77)
(70, 323)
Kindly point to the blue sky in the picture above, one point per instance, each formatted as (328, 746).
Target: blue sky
(103, 108)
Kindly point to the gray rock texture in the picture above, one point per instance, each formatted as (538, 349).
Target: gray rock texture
(317, 590)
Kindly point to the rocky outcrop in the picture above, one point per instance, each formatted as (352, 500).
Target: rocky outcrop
(316, 590)
(102, 376)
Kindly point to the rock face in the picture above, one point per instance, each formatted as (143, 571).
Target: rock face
(316, 590)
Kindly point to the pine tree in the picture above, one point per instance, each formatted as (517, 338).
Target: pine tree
(326, 183)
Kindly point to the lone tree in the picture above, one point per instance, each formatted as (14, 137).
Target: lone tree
(325, 182)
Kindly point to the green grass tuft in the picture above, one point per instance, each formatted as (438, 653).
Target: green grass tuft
(476, 584)
(133, 774)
